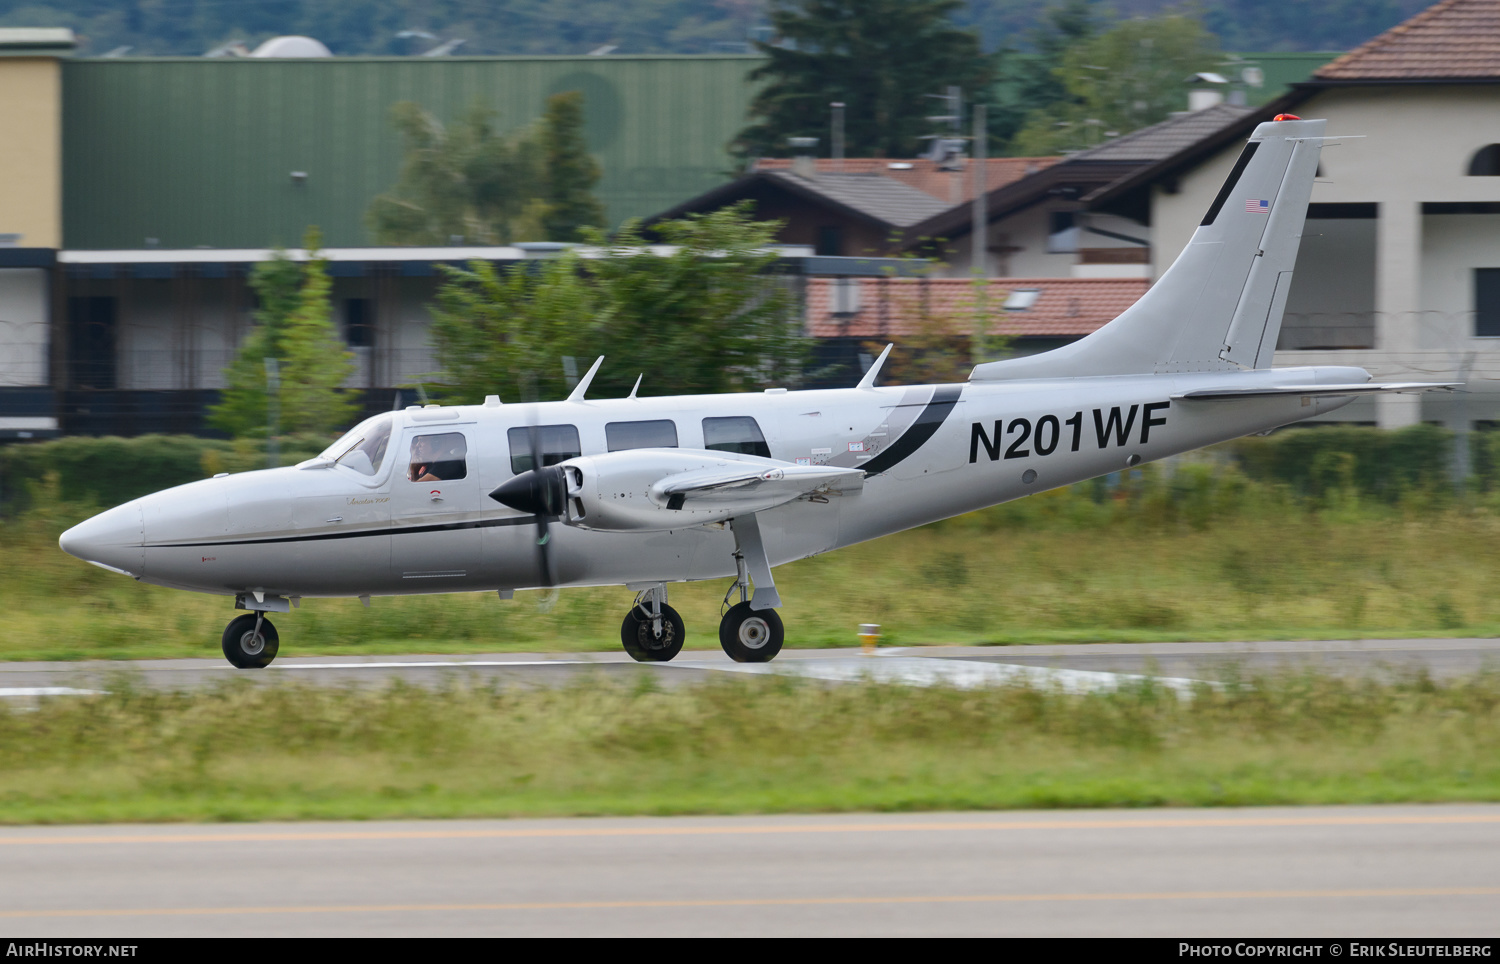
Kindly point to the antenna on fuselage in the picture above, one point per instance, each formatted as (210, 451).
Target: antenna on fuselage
(583, 384)
(869, 380)
(637, 386)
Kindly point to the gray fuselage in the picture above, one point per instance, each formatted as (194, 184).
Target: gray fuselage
(930, 452)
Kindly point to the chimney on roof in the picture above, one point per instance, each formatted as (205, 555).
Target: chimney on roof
(803, 164)
(1208, 90)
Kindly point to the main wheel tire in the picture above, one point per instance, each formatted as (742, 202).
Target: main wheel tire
(642, 643)
(247, 649)
(751, 635)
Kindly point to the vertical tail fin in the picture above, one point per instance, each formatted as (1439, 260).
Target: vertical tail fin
(1219, 306)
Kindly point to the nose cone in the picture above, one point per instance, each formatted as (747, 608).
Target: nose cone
(113, 539)
(539, 492)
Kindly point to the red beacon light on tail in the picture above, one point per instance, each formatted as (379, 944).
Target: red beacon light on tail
(1282, 117)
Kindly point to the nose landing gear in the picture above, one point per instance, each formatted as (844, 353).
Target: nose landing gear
(250, 641)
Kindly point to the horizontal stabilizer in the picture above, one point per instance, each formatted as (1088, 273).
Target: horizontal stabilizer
(752, 488)
(1364, 388)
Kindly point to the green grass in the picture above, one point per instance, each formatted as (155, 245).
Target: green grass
(737, 745)
(1196, 556)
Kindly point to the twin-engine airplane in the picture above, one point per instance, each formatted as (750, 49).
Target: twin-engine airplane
(652, 491)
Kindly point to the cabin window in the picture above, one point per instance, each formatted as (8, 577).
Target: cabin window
(654, 434)
(363, 449)
(554, 443)
(438, 458)
(738, 434)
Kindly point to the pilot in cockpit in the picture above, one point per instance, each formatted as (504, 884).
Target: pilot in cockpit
(437, 458)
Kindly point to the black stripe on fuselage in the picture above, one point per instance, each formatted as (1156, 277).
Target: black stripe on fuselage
(391, 531)
(944, 397)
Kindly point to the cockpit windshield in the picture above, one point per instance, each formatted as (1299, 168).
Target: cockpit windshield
(363, 448)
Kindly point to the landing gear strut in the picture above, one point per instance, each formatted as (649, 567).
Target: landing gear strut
(751, 633)
(652, 631)
(250, 641)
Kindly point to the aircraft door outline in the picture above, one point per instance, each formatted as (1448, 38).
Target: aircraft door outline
(435, 506)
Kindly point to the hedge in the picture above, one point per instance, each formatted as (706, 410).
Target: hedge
(1383, 464)
(110, 470)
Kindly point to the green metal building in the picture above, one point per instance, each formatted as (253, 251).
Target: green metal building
(186, 152)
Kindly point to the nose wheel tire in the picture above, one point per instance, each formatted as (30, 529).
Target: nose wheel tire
(640, 638)
(751, 635)
(246, 648)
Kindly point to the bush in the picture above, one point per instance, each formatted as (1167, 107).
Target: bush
(108, 471)
(1320, 462)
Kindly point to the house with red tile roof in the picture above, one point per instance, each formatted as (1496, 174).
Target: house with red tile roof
(1399, 266)
(1038, 313)
(852, 317)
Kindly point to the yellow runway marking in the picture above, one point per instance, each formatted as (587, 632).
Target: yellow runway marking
(521, 833)
(758, 902)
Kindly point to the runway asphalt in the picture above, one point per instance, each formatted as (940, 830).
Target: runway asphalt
(1073, 665)
(1320, 871)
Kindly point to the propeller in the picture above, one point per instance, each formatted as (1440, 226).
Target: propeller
(541, 491)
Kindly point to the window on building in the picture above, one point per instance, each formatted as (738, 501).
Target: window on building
(1485, 162)
(359, 323)
(830, 241)
(554, 443)
(653, 434)
(438, 458)
(739, 434)
(1062, 233)
(845, 296)
(1020, 299)
(1487, 302)
(91, 342)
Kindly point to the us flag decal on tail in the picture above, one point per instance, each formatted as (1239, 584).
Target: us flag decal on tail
(1257, 207)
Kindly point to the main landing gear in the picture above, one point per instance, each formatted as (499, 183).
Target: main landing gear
(750, 631)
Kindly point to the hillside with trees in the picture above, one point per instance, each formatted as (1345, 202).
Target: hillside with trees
(406, 27)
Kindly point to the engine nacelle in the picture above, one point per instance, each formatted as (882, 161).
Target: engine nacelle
(625, 491)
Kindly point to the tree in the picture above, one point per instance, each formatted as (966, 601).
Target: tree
(465, 181)
(1130, 76)
(879, 57)
(316, 362)
(1028, 82)
(292, 326)
(503, 331)
(706, 317)
(570, 171)
(469, 182)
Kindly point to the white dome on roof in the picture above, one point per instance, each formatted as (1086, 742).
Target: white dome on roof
(292, 47)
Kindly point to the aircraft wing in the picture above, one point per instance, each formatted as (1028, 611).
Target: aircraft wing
(752, 488)
(1363, 388)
